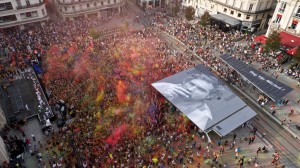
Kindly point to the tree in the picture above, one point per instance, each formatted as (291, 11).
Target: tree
(189, 13)
(176, 9)
(126, 25)
(273, 42)
(297, 53)
(205, 19)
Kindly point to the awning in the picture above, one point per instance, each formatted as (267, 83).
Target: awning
(239, 118)
(201, 97)
(289, 40)
(266, 84)
(226, 19)
(292, 51)
(261, 39)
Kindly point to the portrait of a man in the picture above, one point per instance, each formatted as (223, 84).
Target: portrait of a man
(190, 96)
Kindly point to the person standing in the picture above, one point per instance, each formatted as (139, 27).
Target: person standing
(33, 137)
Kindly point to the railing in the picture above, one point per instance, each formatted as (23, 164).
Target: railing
(94, 8)
(297, 15)
(30, 6)
(274, 26)
(281, 10)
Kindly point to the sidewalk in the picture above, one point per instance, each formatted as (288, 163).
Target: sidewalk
(293, 97)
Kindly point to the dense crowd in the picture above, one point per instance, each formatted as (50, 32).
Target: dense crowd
(121, 121)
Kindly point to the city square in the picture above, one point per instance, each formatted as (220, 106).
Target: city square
(147, 84)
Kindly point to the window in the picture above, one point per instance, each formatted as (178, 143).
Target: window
(108, 1)
(34, 14)
(115, 1)
(87, 5)
(28, 14)
(251, 7)
(282, 7)
(27, 2)
(232, 12)
(248, 17)
(239, 15)
(267, 4)
(101, 2)
(66, 9)
(297, 14)
(5, 6)
(260, 5)
(95, 3)
(225, 9)
(294, 24)
(278, 18)
(8, 18)
(73, 7)
(43, 12)
(19, 3)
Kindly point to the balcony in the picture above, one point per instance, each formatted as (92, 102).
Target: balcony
(30, 6)
(90, 9)
(274, 26)
(297, 15)
(281, 10)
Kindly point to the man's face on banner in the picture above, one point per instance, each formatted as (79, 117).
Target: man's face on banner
(198, 88)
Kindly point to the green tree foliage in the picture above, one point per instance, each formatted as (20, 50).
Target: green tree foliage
(273, 42)
(94, 33)
(297, 53)
(176, 9)
(205, 19)
(189, 13)
(126, 25)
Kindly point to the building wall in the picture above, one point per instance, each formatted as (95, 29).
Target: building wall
(3, 152)
(69, 9)
(21, 12)
(249, 12)
(285, 17)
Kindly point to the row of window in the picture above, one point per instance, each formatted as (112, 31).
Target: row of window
(239, 14)
(89, 5)
(5, 6)
(293, 24)
(260, 5)
(8, 18)
(108, 1)
(282, 8)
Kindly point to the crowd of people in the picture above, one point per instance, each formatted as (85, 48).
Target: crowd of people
(120, 120)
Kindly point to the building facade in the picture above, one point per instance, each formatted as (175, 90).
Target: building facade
(243, 14)
(286, 17)
(19, 13)
(146, 4)
(72, 9)
(3, 152)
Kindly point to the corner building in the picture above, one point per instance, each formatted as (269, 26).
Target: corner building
(245, 15)
(286, 18)
(22, 13)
